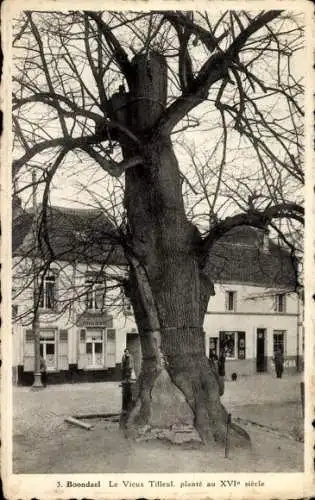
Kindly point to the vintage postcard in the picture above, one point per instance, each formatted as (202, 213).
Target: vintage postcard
(157, 246)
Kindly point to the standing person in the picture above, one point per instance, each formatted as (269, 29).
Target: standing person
(43, 371)
(278, 359)
(221, 370)
(213, 359)
(128, 377)
(127, 366)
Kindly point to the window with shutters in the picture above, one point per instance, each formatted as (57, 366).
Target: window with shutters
(48, 292)
(95, 293)
(97, 348)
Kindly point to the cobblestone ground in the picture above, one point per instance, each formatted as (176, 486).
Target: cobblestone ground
(44, 443)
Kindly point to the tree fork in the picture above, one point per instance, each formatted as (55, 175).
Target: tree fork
(169, 293)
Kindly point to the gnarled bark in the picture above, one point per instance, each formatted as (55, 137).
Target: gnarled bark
(169, 293)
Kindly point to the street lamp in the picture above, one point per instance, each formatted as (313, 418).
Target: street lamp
(37, 383)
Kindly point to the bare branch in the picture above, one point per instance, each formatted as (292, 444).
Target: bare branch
(214, 69)
(113, 43)
(51, 100)
(255, 218)
(113, 168)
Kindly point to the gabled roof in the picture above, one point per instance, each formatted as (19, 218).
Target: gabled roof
(72, 234)
(241, 256)
(81, 235)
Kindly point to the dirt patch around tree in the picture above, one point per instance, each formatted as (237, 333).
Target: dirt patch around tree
(104, 449)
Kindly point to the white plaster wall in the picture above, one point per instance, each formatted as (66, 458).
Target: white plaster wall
(67, 275)
(253, 310)
(251, 298)
(251, 315)
(124, 324)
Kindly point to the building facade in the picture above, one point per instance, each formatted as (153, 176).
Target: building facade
(84, 317)
(255, 309)
(85, 320)
(251, 322)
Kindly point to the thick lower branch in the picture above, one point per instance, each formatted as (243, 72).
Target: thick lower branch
(254, 218)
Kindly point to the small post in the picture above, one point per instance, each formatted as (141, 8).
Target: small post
(227, 436)
(126, 387)
(126, 391)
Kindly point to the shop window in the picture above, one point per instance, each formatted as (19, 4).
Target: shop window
(233, 344)
(279, 341)
(280, 303)
(230, 300)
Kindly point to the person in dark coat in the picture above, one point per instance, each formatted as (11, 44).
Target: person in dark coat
(213, 359)
(221, 363)
(126, 366)
(221, 371)
(43, 371)
(128, 377)
(213, 363)
(278, 360)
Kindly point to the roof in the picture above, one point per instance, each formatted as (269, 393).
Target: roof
(240, 256)
(73, 235)
(83, 235)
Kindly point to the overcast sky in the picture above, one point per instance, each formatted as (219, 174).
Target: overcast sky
(80, 182)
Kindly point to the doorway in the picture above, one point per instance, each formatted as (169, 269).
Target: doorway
(261, 359)
(95, 348)
(48, 348)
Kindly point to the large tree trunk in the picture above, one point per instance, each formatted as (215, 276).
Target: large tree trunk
(169, 294)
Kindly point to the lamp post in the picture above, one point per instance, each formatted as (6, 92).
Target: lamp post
(37, 383)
